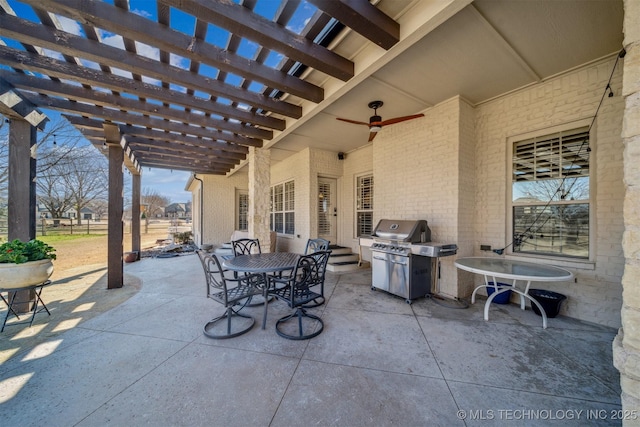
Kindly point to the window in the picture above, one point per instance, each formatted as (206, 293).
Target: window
(242, 207)
(364, 205)
(551, 194)
(283, 207)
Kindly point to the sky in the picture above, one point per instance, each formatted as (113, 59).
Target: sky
(166, 182)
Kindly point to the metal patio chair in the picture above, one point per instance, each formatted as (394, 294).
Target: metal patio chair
(296, 292)
(313, 246)
(246, 247)
(234, 293)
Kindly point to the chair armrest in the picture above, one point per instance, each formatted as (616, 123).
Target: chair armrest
(256, 279)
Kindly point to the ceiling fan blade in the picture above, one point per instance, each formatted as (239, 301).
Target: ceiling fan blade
(400, 119)
(372, 135)
(352, 121)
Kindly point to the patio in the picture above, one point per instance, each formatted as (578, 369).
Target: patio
(378, 362)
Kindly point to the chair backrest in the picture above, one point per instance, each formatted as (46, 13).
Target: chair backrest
(212, 271)
(316, 245)
(246, 247)
(310, 269)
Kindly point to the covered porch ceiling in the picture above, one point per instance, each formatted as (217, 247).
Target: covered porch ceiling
(192, 84)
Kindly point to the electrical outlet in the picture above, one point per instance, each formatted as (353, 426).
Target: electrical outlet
(485, 247)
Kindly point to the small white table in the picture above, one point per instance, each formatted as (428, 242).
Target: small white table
(515, 270)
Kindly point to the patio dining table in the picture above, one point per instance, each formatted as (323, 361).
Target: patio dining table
(500, 268)
(265, 263)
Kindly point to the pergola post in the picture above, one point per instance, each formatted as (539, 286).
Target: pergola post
(22, 193)
(22, 185)
(135, 213)
(115, 225)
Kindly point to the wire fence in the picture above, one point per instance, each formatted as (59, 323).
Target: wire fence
(69, 226)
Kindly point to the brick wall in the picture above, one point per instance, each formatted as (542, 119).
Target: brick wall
(220, 206)
(450, 168)
(356, 163)
(574, 96)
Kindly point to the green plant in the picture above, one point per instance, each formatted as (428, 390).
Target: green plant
(182, 238)
(19, 252)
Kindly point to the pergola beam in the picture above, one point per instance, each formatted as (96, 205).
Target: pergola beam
(364, 18)
(50, 38)
(103, 15)
(63, 70)
(15, 105)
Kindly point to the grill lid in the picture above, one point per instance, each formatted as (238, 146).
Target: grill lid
(413, 231)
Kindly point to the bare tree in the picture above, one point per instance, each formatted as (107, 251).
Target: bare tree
(100, 208)
(87, 178)
(59, 131)
(69, 176)
(154, 203)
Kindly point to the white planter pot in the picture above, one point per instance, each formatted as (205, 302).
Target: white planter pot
(14, 276)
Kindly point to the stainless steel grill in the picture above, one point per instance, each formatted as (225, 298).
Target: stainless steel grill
(404, 260)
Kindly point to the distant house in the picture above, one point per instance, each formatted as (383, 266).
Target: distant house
(43, 213)
(87, 213)
(178, 210)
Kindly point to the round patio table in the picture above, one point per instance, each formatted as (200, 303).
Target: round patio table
(271, 262)
(515, 270)
(266, 263)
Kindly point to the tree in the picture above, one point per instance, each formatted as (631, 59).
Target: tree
(59, 131)
(154, 203)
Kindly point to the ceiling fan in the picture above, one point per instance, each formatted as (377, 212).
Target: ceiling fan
(376, 123)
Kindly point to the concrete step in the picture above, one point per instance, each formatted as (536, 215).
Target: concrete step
(342, 267)
(339, 250)
(342, 259)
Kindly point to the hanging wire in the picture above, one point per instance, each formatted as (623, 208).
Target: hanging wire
(522, 237)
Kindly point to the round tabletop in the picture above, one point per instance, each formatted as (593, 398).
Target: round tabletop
(513, 269)
(262, 263)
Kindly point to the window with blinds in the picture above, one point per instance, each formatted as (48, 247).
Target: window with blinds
(242, 206)
(364, 205)
(551, 193)
(283, 208)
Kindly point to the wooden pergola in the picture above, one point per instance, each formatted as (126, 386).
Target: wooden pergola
(194, 104)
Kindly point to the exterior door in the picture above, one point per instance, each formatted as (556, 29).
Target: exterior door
(327, 210)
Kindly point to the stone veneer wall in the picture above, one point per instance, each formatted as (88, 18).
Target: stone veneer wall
(626, 346)
(259, 195)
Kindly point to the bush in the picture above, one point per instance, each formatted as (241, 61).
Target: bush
(182, 238)
(19, 252)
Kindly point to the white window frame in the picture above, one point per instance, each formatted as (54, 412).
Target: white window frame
(556, 259)
(286, 207)
(359, 202)
(242, 210)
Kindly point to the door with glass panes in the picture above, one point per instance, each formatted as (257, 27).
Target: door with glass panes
(327, 209)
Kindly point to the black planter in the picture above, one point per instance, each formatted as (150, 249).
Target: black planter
(550, 301)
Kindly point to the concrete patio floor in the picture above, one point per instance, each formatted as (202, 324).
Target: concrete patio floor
(378, 362)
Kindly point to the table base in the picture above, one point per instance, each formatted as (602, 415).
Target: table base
(35, 310)
(523, 294)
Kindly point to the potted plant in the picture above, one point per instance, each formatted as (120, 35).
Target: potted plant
(24, 264)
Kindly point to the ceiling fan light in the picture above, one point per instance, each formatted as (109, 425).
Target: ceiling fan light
(375, 128)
